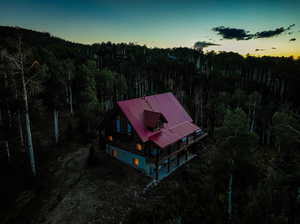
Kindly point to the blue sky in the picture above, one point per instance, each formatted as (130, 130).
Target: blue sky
(162, 23)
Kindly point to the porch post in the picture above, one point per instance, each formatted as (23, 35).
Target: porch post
(186, 154)
(169, 160)
(156, 164)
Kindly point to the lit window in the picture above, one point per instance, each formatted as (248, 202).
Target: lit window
(114, 153)
(109, 138)
(138, 147)
(135, 162)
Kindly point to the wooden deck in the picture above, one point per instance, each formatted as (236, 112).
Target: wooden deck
(130, 145)
(181, 148)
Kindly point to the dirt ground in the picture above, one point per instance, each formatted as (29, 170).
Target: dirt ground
(78, 193)
(73, 192)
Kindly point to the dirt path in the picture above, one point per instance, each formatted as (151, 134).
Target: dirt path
(105, 193)
(77, 193)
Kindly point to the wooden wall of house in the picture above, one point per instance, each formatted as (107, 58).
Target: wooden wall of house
(128, 158)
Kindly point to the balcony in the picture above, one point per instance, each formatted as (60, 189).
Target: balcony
(177, 147)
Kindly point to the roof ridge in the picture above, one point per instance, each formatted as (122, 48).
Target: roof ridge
(169, 129)
(144, 98)
(178, 124)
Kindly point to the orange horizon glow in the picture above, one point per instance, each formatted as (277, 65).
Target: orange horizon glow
(164, 24)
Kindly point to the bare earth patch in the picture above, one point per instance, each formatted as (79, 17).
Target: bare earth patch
(78, 193)
(73, 192)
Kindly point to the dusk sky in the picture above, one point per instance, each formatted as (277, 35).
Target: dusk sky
(264, 27)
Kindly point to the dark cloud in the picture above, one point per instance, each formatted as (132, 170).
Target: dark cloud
(257, 49)
(290, 33)
(232, 33)
(241, 34)
(270, 33)
(273, 33)
(274, 48)
(293, 39)
(204, 44)
(290, 26)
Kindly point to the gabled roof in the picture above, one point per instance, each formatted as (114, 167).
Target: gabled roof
(151, 118)
(179, 123)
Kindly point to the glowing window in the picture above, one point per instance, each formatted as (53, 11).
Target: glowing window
(135, 162)
(109, 138)
(114, 153)
(138, 147)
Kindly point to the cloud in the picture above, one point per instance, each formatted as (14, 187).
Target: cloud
(257, 49)
(293, 39)
(232, 33)
(270, 33)
(274, 48)
(241, 34)
(204, 44)
(290, 33)
(290, 26)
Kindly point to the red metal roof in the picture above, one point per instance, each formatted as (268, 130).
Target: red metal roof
(151, 118)
(179, 122)
(169, 136)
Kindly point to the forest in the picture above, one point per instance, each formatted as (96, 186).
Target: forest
(55, 92)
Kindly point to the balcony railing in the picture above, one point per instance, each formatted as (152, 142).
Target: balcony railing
(129, 144)
(180, 147)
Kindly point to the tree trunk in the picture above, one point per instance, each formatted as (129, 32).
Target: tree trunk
(56, 128)
(19, 120)
(253, 118)
(71, 100)
(28, 128)
(9, 120)
(67, 93)
(7, 151)
(292, 206)
(249, 116)
(201, 110)
(70, 94)
(21, 131)
(230, 198)
(101, 62)
(1, 117)
(29, 141)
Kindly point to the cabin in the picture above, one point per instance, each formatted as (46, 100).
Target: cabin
(152, 134)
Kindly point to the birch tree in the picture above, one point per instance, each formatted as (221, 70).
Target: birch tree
(254, 103)
(237, 144)
(286, 129)
(18, 61)
(69, 69)
(55, 95)
(86, 96)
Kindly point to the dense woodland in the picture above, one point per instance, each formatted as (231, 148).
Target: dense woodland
(53, 90)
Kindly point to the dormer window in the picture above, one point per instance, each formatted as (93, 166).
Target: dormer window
(154, 120)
